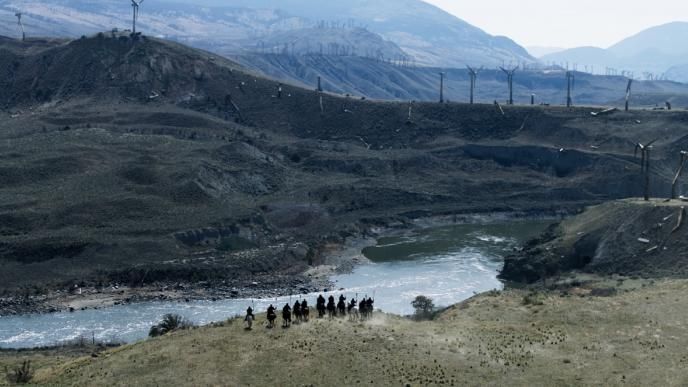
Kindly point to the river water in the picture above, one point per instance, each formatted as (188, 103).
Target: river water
(448, 264)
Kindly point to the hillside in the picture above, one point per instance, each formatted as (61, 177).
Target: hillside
(399, 81)
(500, 338)
(125, 160)
(426, 33)
(648, 54)
(628, 238)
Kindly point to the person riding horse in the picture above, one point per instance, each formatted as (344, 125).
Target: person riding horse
(272, 316)
(249, 318)
(341, 306)
(297, 311)
(321, 306)
(351, 305)
(304, 310)
(286, 315)
(331, 307)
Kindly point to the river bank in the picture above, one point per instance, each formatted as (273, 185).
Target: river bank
(334, 259)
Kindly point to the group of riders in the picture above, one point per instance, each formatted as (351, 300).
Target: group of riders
(301, 311)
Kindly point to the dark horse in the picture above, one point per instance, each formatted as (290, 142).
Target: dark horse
(321, 306)
(341, 308)
(331, 308)
(272, 316)
(286, 316)
(305, 311)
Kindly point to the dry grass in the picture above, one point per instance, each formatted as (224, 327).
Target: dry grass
(634, 338)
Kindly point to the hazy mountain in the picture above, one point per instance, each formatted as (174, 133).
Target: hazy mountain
(381, 80)
(539, 51)
(648, 54)
(678, 73)
(425, 32)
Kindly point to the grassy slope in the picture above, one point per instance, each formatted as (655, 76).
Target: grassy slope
(635, 338)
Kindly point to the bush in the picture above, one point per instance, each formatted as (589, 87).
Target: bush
(22, 374)
(169, 323)
(424, 307)
(235, 243)
(533, 298)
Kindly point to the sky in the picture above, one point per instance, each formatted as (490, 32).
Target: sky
(566, 24)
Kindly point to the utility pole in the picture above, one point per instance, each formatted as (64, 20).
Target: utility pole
(570, 79)
(319, 84)
(628, 92)
(474, 75)
(510, 80)
(441, 87)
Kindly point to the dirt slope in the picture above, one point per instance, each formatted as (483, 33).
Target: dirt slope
(631, 238)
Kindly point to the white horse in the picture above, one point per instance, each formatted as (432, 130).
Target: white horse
(249, 321)
(353, 314)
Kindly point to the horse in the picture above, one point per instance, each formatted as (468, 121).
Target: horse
(249, 322)
(286, 318)
(331, 310)
(298, 315)
(341, 308)
(321, 310)
(305, 312)
(272, 316)
(353, 313)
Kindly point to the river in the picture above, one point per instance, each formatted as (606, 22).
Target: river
(448, 264)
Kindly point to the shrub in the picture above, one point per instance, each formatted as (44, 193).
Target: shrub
(533, 298)
(22, 374)
(169, 323)
(423, 306)
(235, 243)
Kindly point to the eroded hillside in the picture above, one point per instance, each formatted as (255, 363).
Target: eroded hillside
(140, 161)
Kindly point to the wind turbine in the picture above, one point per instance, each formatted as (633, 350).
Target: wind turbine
(645, 164)
(682, 162)
(570, 84)
(21, 26)
(473, 73)
(135, 5)
(510, 80)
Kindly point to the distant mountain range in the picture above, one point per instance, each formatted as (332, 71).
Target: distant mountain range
(381, 80)
(657, 52)
(421, 32)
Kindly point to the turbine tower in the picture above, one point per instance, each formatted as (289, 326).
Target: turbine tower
(21, 26)
(570, 83)
(510, 80)
(473, 74)
(135, 5)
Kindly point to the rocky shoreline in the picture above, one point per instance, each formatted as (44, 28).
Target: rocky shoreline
(335, 258)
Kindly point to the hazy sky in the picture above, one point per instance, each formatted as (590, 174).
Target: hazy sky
(566, 23)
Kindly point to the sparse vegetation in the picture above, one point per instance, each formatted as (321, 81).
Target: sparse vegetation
(21, 374)
(169, 323)
(424, 307)
(533, 298)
